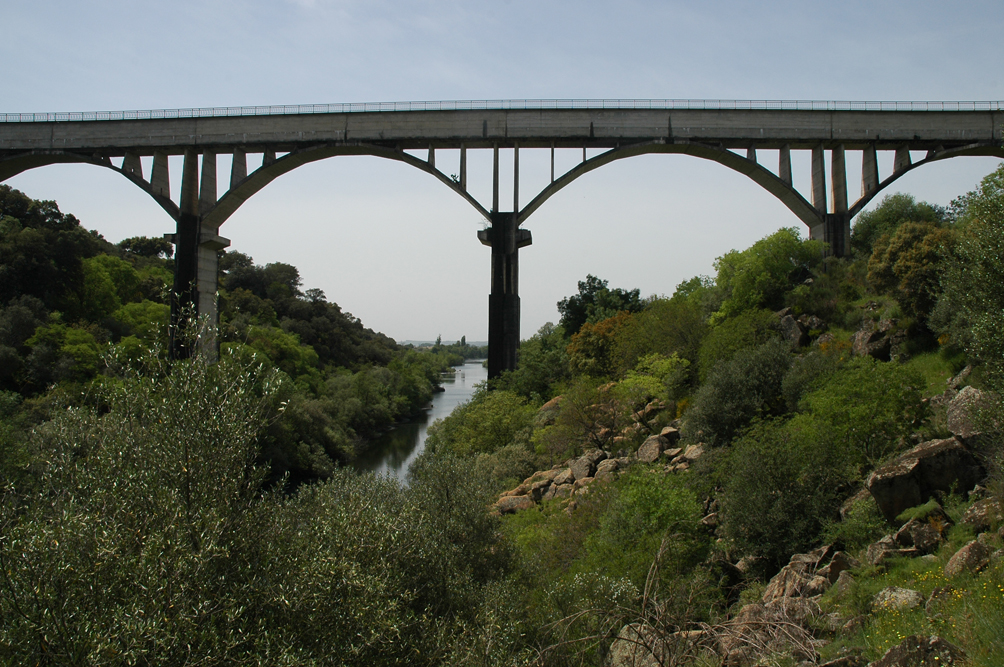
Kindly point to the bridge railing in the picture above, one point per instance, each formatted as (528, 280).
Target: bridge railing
(485, 105)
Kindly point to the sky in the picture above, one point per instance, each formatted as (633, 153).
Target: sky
(395, 247)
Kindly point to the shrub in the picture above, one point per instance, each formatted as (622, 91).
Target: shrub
(781, 489)
(737, 391)
(746, 330)
(488, 422)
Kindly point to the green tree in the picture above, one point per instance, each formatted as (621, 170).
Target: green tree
(749, 329)
(595, 302)
(883, 220)
(759, 276)
(909, 263)
(488, 422)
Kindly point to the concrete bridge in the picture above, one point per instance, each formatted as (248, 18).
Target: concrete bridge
(286, 137)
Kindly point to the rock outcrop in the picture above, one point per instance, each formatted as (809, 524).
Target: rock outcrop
(912, 478)
(920, 651)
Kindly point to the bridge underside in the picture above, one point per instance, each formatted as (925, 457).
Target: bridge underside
(730, 137)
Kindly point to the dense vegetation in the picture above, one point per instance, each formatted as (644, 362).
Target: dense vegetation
(132, 534)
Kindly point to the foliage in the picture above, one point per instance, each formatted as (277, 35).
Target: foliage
(807, 372)
(143, 541)
(541, 366)
(488, 422)
(592, 349)
(594, 303)
(971, 310)
(780, 491)
(909, 263)
(883, 220)
(665, 326)
(737, 391)
(747, 330)
(759, 276)
(868, 409)
(587, 417)
(655, 377)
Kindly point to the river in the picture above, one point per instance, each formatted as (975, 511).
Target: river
(393, 453)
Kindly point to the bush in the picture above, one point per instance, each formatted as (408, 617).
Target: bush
(748, 329)
(737, 391)
(781, 489)
(488, 422)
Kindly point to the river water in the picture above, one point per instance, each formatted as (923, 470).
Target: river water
(393, 453)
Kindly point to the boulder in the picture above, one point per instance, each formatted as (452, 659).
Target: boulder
(652, 448)
(846, 661)
(538, 489)
(693, 452)
(962, 412)
(672, 453)
(971, 558)
(812, 323)
(565, 476)
(924, 536)
(886, 548)
(911, 478)
(637, 645)
(920, 651)
(513, 504)
(983, 515)
(840, 563)
(794, 332)
(873, 339)
(582, 468)
(671, 433)
(562, 491)
(895, 597)
(843, 582)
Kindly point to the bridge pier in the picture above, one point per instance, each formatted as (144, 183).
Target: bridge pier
(505, 239)
(196, 257)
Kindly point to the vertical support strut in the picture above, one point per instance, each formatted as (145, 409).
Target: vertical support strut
(239, 168)
(495, 181)
(160, 177)
(505, 238)
(838, 180)
(515, 180)
(207, 187)
(131, 165)
(902, 161)
(869, 171)
(463, 167)
(552, 162)
(784, 164)
(819, 179)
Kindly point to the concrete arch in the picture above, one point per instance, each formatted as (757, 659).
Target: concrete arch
(22, 163)
(972, 150)
(258, 179)
(760, 175)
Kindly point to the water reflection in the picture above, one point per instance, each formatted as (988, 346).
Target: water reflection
(393, 453)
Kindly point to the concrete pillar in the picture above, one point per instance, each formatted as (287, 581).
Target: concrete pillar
(818, 179)
(902, 161)
(869, 171)
(515, 179)
(751, 153)
(196, 259)
(268, 157)
(184, 301)
(160, 178)
(838, 180)
(505, 239)
(463, 167)
(784, 164)
(207, 186)
(432, 157)
(552, 162)
(239, 168)
(131, 165)
(837, 232)
(495, 180)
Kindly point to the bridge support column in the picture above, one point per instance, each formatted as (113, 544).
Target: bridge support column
(505, 239)
(196, 261)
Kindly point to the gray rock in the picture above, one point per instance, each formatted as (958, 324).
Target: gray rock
(794, 332)
(637, 645)
(692, 453)
(873, 339)
(652, 448)
(895, 597)
(843, 583)
(983, 515)
(840, 562)
(924, 536)
(565, 476)
(971, 558)
(671, 434)
(962, 412)
(513, 504)
(920, 651)
(910, 479)
(582, 467)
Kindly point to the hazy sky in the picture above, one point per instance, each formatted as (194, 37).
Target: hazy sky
(391, 244)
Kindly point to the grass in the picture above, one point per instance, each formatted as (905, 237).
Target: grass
(969, 611)
(936, 367)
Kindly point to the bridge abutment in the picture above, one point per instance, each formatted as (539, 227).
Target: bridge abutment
(505, 239)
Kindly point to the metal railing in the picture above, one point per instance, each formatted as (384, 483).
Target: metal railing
(486, 105)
